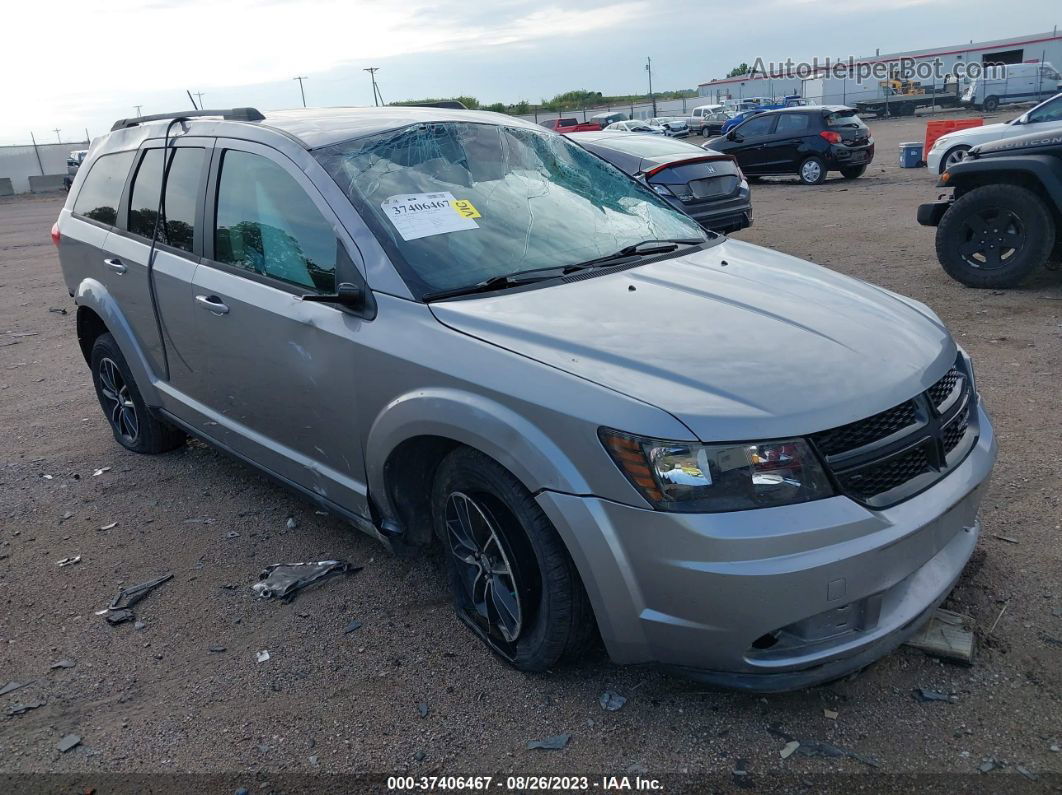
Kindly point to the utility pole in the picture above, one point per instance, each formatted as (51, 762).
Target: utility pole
(56, 130)
(87, 138)
(200, 95)
(301, 89)
(36, 151)
(377, 100)
(138, 107)
(652, 96)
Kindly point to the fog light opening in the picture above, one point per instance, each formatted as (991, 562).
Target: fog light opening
(765, 641)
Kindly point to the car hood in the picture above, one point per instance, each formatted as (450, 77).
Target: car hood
(736, 341)
(987, 132)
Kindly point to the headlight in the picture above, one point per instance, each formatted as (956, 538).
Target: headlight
(711, 478)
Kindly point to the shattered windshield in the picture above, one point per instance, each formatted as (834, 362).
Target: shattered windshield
(458, 203)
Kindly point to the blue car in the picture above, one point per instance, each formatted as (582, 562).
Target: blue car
(788, 102)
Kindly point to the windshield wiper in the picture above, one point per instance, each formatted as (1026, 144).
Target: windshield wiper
(644, 249)
(532, 275)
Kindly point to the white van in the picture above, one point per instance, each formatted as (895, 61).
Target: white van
(1020, 82)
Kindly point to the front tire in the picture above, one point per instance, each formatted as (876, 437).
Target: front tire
(991, 103)
(853, 172)
(812, 171)
(995, 236)
(512, 579)
(134, 426)
(953, 156)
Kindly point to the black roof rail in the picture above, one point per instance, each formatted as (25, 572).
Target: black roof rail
(231, 114)
(450, 104)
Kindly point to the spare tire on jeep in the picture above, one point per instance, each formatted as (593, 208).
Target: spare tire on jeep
(995, 236)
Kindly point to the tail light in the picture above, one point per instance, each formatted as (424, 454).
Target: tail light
(55, 234)
(831, 136)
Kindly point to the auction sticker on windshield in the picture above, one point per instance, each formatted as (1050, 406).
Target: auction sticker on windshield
(417, 215)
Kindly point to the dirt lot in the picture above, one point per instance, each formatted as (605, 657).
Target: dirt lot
(158, 700)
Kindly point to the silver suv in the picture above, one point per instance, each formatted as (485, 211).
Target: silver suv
(456, 327)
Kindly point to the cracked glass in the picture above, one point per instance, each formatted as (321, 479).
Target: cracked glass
(536, 200)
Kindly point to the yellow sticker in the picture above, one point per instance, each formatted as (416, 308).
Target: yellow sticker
(465, 208)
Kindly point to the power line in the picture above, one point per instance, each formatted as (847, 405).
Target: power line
(377, 98)
(301, 89)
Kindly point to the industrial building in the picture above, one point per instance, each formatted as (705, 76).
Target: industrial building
(837, 81)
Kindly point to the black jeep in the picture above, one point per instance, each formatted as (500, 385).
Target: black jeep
(1004, 218)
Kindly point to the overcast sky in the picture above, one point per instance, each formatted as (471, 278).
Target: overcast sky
(69, 65)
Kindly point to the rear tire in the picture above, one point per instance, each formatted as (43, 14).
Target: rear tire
(995, 236)
(134, 426)
(812, 171)
(853, 172)
(512, 579)
(991, 103)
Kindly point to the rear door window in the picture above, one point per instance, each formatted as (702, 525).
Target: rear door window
(267, 224)
(756, 126)
(182, 192)
(102, 190)
(793, 123)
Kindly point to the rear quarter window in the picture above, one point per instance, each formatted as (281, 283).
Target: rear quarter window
(101, 191)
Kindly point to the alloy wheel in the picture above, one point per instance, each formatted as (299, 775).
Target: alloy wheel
(483, 562)
(993, 238)
(118, 402)
(954, 156)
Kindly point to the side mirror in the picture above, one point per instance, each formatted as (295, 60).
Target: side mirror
(346, 294)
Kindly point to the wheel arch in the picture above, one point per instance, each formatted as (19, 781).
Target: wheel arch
(411, 436)
(98, 313)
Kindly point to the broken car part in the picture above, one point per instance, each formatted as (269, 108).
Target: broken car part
(283, 580)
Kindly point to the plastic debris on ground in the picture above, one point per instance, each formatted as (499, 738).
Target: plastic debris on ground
(11, 687)
(555, 743)
(63, 664)
(787, 750)
(68, 561)
(120, 609)
(948, 635)
(68, 743)
(18, 709)
(353, 625)
(284, 580)
(262, 656)
(611, 700)
(923, 694)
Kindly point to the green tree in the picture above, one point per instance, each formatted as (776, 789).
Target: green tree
(738, 71)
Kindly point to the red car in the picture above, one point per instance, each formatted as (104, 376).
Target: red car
(570, 125)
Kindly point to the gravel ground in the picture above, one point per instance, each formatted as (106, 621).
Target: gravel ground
(158, 700)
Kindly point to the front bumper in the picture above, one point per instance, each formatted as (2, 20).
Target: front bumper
(929, 214)
(773, 599)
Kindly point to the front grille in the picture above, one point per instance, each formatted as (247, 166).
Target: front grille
(884, 459)
(955, 430)
(942, 389)
(878, 478)
(857, 434)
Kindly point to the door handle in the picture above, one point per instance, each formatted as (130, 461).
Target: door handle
(212, 304)
(115, 265)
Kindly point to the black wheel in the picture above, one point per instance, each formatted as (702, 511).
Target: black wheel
(133, 425)
(991, 103)
(812, 171)
(853, 172)
(995, 236)
(512, 579)
(954, 155)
